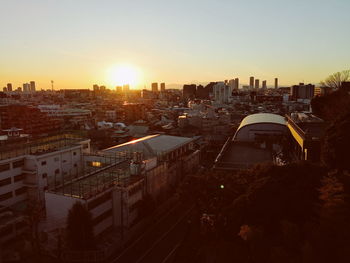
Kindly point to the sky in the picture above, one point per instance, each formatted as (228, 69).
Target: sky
(77, 42)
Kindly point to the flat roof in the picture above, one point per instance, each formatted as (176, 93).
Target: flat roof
(96, 182)
(39, 146)
(151, 145)
(242, 155)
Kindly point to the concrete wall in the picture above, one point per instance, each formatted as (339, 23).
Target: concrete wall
(57, 207)
(247, 133)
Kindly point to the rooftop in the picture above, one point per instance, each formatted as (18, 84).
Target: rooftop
(152, 145)
(38, 146)
(98, 181)
(307, 125)
(241, 155)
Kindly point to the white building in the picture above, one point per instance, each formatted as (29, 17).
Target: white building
(122, 176)
(29, 168)
(222, 92)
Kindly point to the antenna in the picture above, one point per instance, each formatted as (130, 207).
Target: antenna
(52, 85)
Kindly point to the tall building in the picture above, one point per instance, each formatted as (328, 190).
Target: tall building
(9, 87)
(95, 87)
(189, 91)
(32, 86)
(162, 87)
(222, 92)
(155, 87)
(257, 84)
(251, 82)
(119, 89)
(302, 91)
(26, 87)
(264, 84)
(236, 83)
(231, 84)
(126, 88)
(276, 83)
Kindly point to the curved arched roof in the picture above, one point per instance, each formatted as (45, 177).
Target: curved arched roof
(262, 118)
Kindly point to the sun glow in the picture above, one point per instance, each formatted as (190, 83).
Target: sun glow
(124, 74)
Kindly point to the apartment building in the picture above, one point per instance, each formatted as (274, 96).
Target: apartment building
(29, 167)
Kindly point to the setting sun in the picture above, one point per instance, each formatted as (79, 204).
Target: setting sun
(124, 74)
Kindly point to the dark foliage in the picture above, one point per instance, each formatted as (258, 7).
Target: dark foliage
(337, 144)
(293, 213)
(80, 234)
(331, 106)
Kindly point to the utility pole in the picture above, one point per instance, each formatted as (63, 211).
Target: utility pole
(52, 85)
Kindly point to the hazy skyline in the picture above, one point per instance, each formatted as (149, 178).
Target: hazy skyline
(75, 42)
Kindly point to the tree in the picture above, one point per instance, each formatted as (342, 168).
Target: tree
(79, 229)
(331, 106)
(337, 144)
(335, 80)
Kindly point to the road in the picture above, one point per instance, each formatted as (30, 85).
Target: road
(160, 242)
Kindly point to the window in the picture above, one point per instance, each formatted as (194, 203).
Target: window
(57, 171)
(135, 189)
(4, 167)
(75, 165)
(44, 175)
(99, 200)
(19, 177)
(5, 181)
(21, 190)
(96, 164)
(18, 164)
(74, 153)
(6, 196)
(43, 163)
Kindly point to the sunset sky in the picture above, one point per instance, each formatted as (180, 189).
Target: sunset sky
(76, 43)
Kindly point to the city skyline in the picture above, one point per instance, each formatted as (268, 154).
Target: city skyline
(75, 44)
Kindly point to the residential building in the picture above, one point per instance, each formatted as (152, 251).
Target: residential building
(302, 91)
(162, 87)
(122, 177)
(30, 119)
(9, 87)
(308, 132)
(29, 167)
(32, 86)
(257, 84)
(96, 87)
(189, 91)
(155, 87)
(251, 82)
